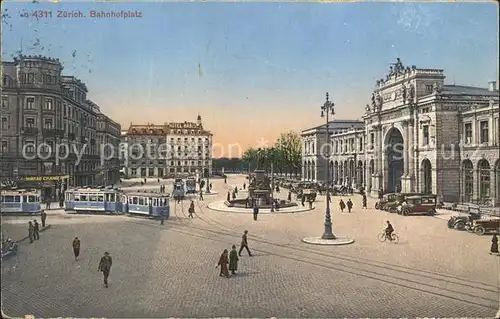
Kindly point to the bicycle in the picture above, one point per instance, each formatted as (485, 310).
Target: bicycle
(383, 237)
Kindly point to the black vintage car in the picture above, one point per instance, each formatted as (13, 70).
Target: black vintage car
(460, 222)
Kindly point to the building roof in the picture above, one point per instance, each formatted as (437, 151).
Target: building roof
(337, 124)
(467, 90)
(168, 128)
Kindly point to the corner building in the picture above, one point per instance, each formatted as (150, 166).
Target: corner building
(422, 135)
(41, 109)
(174, 148)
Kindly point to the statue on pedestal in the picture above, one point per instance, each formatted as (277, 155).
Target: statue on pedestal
(404, 92)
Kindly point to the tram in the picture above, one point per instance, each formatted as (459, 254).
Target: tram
(179, 191)
(191, 185)
(93, 200)
(152, 204)
(24, 201)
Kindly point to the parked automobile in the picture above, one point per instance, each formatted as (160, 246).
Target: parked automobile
(420, 204)
(461, 221)
(482, 226)
(391, 201)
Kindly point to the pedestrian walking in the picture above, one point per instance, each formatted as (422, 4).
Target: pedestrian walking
(244, 244)
(364, 201)
(225, 180)
(349, 205)
(191, 210)
(43, 215)
(303, 199)
(223, 261)
(233, 260)
(244, 186)
(228, 196)
(494, 245)
(201, 194)
(31, 231)
(342, 205)
(47, 203)
(76, 247)
(61, 200)
(234, 195)
(236, 189)
(158, 181)
(36, 230)
(310, 203)
(210, 186)
(105, 267)
(255, 211)
(289, 196)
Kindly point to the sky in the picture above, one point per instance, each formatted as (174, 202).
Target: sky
(251, 70)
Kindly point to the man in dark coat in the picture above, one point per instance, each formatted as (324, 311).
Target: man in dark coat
(191, 210)
(310, 203)
(289, 196)
(228, 196)
(105, 267)
(43, 215)
(244, 186)
(255, 211)
(36, 230)
(364, 201)
(303, 199)
(225, 180)
(234, 195)
(233, 260)
(76, 247)
(349, 205)
(61, 200)
(244, 244)
(30, 231)
(342, 205)
(201, 194)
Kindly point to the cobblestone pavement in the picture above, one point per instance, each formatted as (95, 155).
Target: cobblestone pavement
(169, 271)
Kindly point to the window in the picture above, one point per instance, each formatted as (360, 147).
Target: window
(360, 144)
(30, 103)
(5, 101)
(48, 104)
(5, 146)
(29, 122)
(5, 123)
(428, 88)
(484, 131)
(468, 133)
(31, 78)
(23, 78)
(372, 141)
(48, 124)
(29, 146)
(484, 179)
(425, 133)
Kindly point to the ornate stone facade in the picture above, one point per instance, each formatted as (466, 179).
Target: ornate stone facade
(422, 135)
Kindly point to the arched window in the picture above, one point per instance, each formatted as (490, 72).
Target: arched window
(468, 178)
(484, 179)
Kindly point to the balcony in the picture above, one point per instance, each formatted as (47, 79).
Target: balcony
(29, 130)
(52, 132)
(71, 136)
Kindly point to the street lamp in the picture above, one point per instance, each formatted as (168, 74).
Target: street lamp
(328, 237)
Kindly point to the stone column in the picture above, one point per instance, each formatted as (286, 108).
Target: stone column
(406, 178)
(493, 184)
(378, 157)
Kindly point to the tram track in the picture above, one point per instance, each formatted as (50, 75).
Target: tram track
(488, 302)
(382, 268)
(448, 286)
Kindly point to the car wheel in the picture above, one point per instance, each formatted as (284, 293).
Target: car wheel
(460, 225)
(479, 230)
(406, 212)
(377, 205)
(432, 212)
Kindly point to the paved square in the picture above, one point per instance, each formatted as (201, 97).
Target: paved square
(169, 271)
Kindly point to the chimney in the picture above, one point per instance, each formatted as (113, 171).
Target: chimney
(492, 86)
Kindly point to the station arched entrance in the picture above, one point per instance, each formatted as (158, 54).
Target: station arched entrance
(394, 157)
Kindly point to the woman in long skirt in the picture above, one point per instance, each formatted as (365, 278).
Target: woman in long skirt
(76, 247)
(494, 245)
(223, 262)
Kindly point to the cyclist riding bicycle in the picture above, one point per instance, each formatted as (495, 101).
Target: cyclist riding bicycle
(389, 230)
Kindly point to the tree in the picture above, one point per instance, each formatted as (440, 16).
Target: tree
(290, 152)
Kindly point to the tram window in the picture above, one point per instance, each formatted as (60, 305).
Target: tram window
(141, 201)
(83, 198)
(1, 199)
(9, 199)
(93, 198)
(77, 198)
(32, 199)
(106, 196)
(135, 201)
(100, 198)
(25, 198)
(17, 199)
(111, 197)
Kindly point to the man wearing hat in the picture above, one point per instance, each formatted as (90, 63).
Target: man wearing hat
(105, 267)
(244, 244)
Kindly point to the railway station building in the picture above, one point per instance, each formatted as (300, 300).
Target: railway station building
(419, 135)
